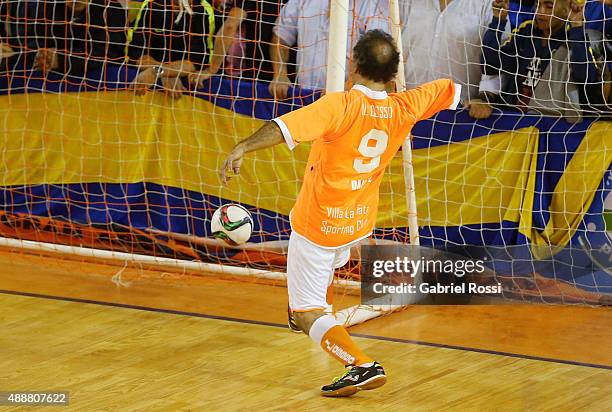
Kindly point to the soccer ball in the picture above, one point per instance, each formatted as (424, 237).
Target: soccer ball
(232, 223)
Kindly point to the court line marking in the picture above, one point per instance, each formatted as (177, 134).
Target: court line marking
(279, 325)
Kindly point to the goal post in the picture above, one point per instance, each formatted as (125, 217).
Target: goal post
(336, 75)
(337, 45)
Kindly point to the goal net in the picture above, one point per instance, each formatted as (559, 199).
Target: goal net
(111, 150)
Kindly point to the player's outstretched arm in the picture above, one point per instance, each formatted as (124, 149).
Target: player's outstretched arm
(267, 136)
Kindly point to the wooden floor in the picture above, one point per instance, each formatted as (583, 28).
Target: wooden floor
(460, 358)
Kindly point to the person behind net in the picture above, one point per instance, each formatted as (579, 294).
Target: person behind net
(70, 37)
(305, 24)
(598, 26)
(27, 27)
(6, 51)
(173, 39)
(355, 135)
(547, 63)
(34, 28)
(442, 39)
(228, 36)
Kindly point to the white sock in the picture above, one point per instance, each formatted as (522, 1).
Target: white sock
(321, 326)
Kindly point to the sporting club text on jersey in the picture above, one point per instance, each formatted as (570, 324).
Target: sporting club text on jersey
(347, 213)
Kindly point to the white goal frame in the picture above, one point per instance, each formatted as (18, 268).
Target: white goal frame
(336, 74)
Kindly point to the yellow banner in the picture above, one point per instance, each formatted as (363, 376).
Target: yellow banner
(116, 137)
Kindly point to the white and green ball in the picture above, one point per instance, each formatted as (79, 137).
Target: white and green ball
(232, 223)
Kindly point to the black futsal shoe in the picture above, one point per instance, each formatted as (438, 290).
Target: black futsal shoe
(355, 379)
(293, 327)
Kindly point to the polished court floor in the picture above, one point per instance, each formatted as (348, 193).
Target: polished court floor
(162, 342)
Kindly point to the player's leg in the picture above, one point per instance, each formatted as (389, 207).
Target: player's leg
(341, 259)
(293, 327)
(308, 270)
(362, 372)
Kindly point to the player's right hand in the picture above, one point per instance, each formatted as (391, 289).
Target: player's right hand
(279, 87)
(232, 164)
(500, 9)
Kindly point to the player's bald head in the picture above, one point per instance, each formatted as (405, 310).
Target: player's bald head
(376, 56)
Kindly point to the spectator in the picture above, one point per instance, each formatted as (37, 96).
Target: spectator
(547, 61)
(262, 29)
(69, 36)
(34, 25)
(519, 11)
(169, 39)
(6, 51)
(227, 38)
(95, 32)
(172, 39)
(442, 39)
(597, 14)
(305, 23)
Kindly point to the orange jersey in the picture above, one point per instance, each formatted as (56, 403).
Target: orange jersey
(355, 134)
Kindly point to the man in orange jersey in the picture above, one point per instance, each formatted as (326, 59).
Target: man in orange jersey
(355, 135)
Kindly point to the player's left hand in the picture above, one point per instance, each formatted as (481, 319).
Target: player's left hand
(232, 164)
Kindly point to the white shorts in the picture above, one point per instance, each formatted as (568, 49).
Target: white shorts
(310, 270)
